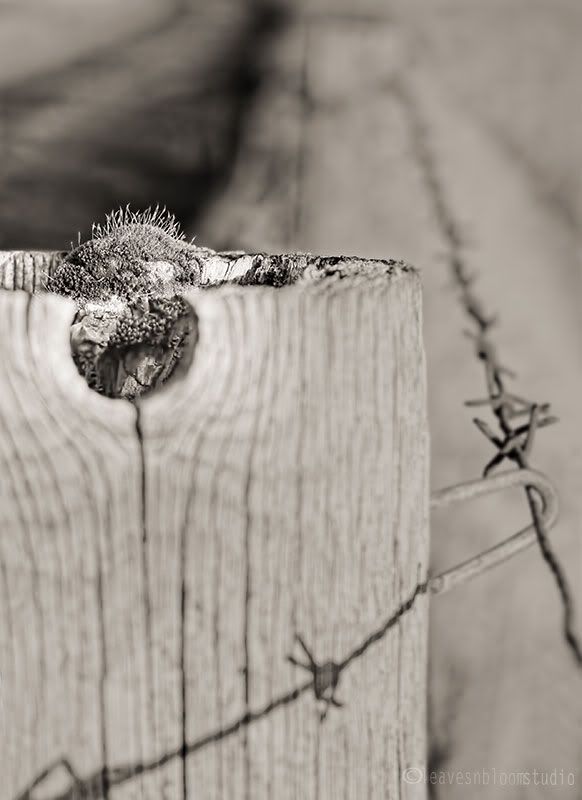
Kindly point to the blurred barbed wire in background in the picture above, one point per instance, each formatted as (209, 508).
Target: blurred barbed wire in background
(105, 103)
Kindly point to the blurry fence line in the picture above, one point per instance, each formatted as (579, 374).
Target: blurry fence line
(512, 441)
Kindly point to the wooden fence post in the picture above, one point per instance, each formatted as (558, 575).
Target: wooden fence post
(160, 562)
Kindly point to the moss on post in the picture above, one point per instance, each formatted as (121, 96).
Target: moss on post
(131, 329)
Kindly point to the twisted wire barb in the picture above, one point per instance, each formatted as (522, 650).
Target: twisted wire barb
(323, 680)
(513, 443)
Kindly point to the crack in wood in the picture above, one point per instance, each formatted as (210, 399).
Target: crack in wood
(147, 610)
(92, 785)
(255, 402)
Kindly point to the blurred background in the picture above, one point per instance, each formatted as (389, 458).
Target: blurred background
(390, 128)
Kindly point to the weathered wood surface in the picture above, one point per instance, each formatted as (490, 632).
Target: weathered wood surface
(157, 563)
(338, 170)
(333, 161)
(26, 271)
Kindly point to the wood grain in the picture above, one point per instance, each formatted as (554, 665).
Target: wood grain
(332, 163)
(158, 561)
(26, 270)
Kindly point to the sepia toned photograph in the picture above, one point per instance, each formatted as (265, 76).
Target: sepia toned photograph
(290, 416)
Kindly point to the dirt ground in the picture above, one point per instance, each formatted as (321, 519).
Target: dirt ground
(298, 128)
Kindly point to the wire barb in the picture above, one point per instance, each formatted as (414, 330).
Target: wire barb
(513, 443)
(325, 677)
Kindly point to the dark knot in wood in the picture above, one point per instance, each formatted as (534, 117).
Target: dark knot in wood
(129, 350)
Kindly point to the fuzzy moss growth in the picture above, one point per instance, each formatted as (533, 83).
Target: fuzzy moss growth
(132, 328)
(133, 254)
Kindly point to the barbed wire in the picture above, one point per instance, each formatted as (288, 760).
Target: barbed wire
(513, 442)
(323, 682)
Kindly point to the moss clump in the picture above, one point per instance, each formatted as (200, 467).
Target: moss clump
(148, 323)
(131, 255)
(132, 328)
(129, 354)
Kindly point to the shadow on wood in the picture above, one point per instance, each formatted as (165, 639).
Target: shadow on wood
(159, 561)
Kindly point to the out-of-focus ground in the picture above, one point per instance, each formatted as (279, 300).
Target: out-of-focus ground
(289, 126)
(39, 35)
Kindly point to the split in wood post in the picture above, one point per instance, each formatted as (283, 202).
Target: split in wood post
(248, 381)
